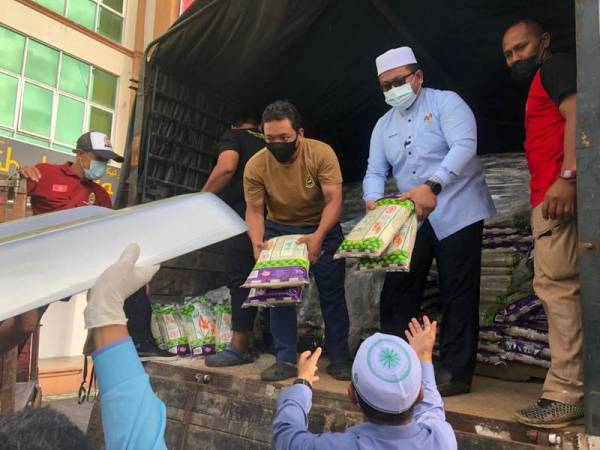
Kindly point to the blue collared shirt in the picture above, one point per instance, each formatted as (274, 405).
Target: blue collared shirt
(436, 138)
(428, 430)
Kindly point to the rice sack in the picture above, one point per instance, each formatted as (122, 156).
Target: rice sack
(174, 338)
(223, 322)
(274, 297)
(398, 254)
(374, 233)
(157, 335)
(199, 325)
(282, 263)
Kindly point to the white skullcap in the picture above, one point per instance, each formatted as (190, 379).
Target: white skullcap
(396, 57)
(386, 374)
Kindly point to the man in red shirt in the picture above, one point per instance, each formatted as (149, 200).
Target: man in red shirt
(56, 187)
(550, 116)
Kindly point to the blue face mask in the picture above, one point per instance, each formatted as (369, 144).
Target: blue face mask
(96, 171)
(401, 97)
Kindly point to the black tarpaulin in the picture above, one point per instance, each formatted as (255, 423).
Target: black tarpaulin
(320, 55)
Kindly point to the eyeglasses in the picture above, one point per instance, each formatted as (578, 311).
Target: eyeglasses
(396, 82)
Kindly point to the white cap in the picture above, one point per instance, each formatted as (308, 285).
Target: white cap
(386, 374)
(396, 57)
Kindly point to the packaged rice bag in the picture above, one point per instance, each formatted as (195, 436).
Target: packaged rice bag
(495, 359)
(527, 359)
(174, 338)
(223, 319)
(490, 333)
(155, 328)
(397, 255)
(372, 235)
(490, 346)
(199, 326)
(537, 349)
(532, 333)
(281, 264)
(518, 310)
(274, 297)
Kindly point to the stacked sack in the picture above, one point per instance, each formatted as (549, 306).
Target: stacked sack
(384, 238)
(197, 326)
(519, 333)
(280, 273)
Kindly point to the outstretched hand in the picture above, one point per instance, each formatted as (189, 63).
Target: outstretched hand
(307, 365)
(422, 338)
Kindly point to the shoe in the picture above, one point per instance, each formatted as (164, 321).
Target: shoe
(278, 372)
(549, 414)
(341, 370)
(228, 357)
(149, 351)
(451, 388)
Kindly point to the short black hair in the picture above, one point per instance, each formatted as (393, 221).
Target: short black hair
(41, 429)
(241, 119)
(281, 110)
(534, 24)
(383, 418)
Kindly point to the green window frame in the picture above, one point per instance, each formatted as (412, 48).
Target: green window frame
(105, 17)
(48, 97)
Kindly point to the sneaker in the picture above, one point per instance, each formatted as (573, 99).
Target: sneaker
(549, 414)
(279, 372)
(340, 370)
(149, 351)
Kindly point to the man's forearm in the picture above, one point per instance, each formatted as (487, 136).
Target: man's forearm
(329, 218)
(218, 181)
(256, 226)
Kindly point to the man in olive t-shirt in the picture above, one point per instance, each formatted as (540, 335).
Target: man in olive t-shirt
(300, 182)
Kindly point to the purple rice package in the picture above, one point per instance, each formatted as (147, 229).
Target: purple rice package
(283, 263)
(274, 297)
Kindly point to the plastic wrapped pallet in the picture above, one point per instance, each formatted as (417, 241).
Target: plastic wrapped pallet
(282, 263)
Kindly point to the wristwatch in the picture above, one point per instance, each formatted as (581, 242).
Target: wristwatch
(304, 382)
(435, 187)
(568, 174)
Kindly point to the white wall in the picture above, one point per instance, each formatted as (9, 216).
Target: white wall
(62, 333)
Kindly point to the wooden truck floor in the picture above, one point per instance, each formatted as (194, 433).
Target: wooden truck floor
(231, 408)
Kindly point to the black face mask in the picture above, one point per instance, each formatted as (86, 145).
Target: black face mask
(282, 151)
(523, 71)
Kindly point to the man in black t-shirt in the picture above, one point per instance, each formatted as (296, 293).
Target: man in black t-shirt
(236, 147)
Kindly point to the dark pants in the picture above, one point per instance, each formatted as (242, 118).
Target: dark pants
(239, 261)
(329, 275)
(139, 315)
(458, 260)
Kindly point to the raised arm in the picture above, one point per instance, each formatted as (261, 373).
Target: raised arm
(132, 416)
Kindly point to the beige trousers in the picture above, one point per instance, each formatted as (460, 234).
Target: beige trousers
(556, 283)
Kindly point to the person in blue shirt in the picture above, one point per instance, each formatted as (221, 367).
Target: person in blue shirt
(428, 142)
(133, 417)
(393, 383)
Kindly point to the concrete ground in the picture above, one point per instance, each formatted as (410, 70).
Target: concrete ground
(78, 414)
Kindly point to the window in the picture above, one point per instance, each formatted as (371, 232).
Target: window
(49, 98)
(105, 17)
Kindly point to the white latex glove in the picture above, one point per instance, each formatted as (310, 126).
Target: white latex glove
(119, 281)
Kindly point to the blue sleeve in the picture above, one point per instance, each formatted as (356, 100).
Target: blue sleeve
(378, 167)
(460, 131)
(132, 416)
(430, 412)
(290, 425)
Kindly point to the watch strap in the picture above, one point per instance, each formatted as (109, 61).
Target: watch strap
(303, 381)
(435, 187)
